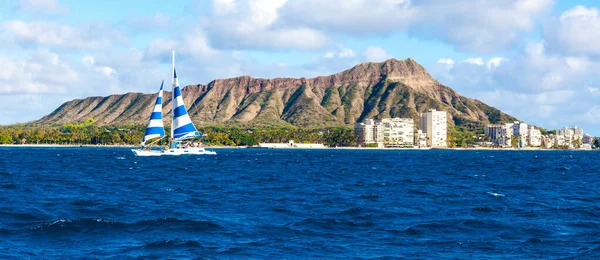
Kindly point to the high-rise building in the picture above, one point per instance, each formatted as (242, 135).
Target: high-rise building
(500, 134)
(368, 132)
(573, 137)
(534, 137)
(520, 130)
(398, 131)
(434, 124)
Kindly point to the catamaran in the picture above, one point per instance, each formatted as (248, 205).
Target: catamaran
(182, 127)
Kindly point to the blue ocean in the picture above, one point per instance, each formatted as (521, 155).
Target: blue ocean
(299, 204)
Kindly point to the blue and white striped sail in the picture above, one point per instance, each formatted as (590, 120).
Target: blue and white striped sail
(183, 128)
(155, 127)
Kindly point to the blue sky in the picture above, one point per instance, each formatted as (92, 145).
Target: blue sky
(534, 59)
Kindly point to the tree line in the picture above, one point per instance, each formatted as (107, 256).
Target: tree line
(88, 133)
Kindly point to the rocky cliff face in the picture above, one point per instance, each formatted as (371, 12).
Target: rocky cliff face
(394, 88)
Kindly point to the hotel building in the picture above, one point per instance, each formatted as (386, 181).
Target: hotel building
(433, 123)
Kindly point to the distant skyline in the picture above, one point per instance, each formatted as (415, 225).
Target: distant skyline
(537, 60)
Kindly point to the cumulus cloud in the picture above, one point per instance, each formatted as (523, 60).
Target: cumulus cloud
(460, 22)
(50, 7)
(376, 54)
(495, 62)
(252, 25)
(360, 17)
(539, 87)
(88, 36)
(575, 32)
(42, 73)
(35, 84)
(191, 44)
(446, 61)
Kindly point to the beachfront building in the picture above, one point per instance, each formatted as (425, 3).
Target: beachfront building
(500, 135)
(534, 137)
(434, 125)
(571, 137)
(520, 130)
(421, 139)
(547, 141)
(368, 133)
(526, 135)
(398, 132)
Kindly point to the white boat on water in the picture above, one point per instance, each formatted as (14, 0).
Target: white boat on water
(182, 128)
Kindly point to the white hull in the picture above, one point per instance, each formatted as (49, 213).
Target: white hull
(173, 151)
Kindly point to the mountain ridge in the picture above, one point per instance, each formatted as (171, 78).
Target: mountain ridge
(393, 88)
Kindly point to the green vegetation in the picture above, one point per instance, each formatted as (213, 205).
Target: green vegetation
(460, 136)
(5, 139)
(81, 133)
(514, 141)
(88, 133)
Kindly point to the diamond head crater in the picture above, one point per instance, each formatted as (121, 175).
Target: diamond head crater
(245, 110)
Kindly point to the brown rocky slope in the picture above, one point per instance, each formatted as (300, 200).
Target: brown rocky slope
(394, 88)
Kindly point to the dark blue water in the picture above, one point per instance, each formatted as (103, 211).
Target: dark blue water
(282, 204)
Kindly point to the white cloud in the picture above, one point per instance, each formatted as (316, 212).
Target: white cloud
(252, 25)
(42, 73)
(539, 87)
(495, 62)
(478, 26)
(160, 49)
(341, 52)
(575, 32)
(446, 61)
(43, 33)
(476, 61)
(593, 114)
(360, 17)
(191, 44)
(376, 54)
(40, 7)
(41, 80)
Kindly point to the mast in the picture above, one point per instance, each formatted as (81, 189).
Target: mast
(173, 98)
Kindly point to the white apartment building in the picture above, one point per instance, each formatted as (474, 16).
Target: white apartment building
(421, 139)
(547, 141)
(566, 132)
(434, 124)
(577, 133)
(500, 134)
(534, 137)
(368, 132)
(520, 130)
(398, 131)
(570, 136)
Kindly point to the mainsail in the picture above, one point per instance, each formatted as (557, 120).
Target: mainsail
(183, 128)
(155, 127)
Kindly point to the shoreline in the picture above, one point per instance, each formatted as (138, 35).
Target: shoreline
(291, 148)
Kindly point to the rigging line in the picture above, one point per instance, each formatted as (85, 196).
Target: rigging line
(156, 140)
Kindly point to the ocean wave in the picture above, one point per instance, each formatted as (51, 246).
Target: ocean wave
(92, 225)
(495, 194)
(485, 209)
(331, 224)
(32, 215)
(172, 244)
(462, 225)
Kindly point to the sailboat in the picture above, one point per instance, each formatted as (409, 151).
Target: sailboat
(182, 127)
